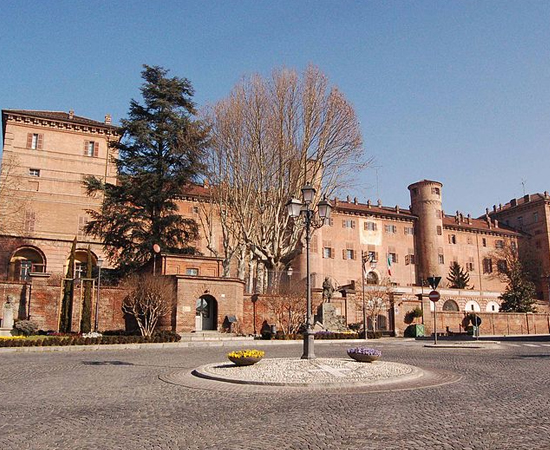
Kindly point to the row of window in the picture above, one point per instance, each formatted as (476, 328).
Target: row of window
(35, 141)
(373, 226)
(352, 254)
(499, 243)
(435, 191)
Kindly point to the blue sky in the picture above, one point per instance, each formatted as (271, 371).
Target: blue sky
(453, 91)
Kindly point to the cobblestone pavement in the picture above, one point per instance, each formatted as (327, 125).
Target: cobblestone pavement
(114, 399)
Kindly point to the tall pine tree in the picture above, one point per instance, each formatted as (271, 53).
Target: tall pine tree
(161, 151)
(458, 278)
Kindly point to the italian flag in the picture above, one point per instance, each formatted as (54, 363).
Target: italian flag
(389, 265)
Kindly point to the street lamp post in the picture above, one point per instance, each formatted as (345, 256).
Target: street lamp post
(96, 319)
(156, 251)
(311, 219)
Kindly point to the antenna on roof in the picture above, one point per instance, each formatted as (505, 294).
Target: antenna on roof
(523, 185)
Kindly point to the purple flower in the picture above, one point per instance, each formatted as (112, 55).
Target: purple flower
(365, 351)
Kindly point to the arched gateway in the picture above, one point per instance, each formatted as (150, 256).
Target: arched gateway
(206, 313)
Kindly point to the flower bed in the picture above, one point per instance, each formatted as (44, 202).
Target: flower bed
(320, 335)
(20, 341)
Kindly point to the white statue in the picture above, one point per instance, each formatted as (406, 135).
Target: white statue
(7, 316)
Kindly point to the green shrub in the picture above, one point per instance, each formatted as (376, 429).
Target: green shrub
(26, 327)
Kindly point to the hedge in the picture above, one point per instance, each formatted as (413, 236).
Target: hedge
(162, 336)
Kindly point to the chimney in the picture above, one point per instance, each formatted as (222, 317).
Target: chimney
(71, 114)
(496, 223)
(494, 208)
(397, 209)
(205, 183)
(107, 119)
(379, 202)
(355, 200)
(461, 218)
(499, 206)
(456, 217)
(368, 203)
(347, 199)
(526, 198)
(469, 219)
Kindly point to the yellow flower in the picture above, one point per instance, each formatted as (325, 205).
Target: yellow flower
(246, 354)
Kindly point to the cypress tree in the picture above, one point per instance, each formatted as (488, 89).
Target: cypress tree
(86, 318)
(65, 323)
(458, 278)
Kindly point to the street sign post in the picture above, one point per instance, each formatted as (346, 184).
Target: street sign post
(434, 297)
(434, 282)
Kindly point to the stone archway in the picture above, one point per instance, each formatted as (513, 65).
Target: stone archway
(206, 313)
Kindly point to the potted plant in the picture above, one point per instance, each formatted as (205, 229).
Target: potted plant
(364, 354)
(245, 357)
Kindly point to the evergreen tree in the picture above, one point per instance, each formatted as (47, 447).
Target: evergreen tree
(86, 318)
(458, 277)
(65, 322)
(161, 151)
(520, 292)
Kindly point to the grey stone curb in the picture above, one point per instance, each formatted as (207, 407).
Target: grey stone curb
(480, 344)
(229, 343)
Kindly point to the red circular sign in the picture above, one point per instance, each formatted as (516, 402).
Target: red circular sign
(434, 296)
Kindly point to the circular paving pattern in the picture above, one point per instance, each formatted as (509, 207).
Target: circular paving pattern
(334, 374)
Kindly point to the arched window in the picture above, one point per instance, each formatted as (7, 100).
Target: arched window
(81, 262)
(372, 278)
(472, 306)
(492, 307)
(450, 305)
(24, 261)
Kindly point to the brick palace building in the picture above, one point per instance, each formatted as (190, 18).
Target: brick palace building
(46, 155)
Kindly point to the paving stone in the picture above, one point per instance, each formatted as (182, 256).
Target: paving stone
(115, 399)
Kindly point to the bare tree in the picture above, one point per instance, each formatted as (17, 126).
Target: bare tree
(377, 301)
(289, 309)
(269, 138)
(212, 213)
(149, 299)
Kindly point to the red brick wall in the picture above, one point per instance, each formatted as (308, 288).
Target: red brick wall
(45, 302)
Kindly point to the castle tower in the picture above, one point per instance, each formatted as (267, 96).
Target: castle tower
(426, 205)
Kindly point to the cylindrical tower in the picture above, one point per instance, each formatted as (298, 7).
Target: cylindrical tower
(426, 205)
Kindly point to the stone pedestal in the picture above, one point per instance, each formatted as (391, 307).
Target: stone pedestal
(330, 320)
(7, 317)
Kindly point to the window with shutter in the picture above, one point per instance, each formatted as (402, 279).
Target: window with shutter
(30, 219)
(91, 149)
(35, 141)
(314, 244)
